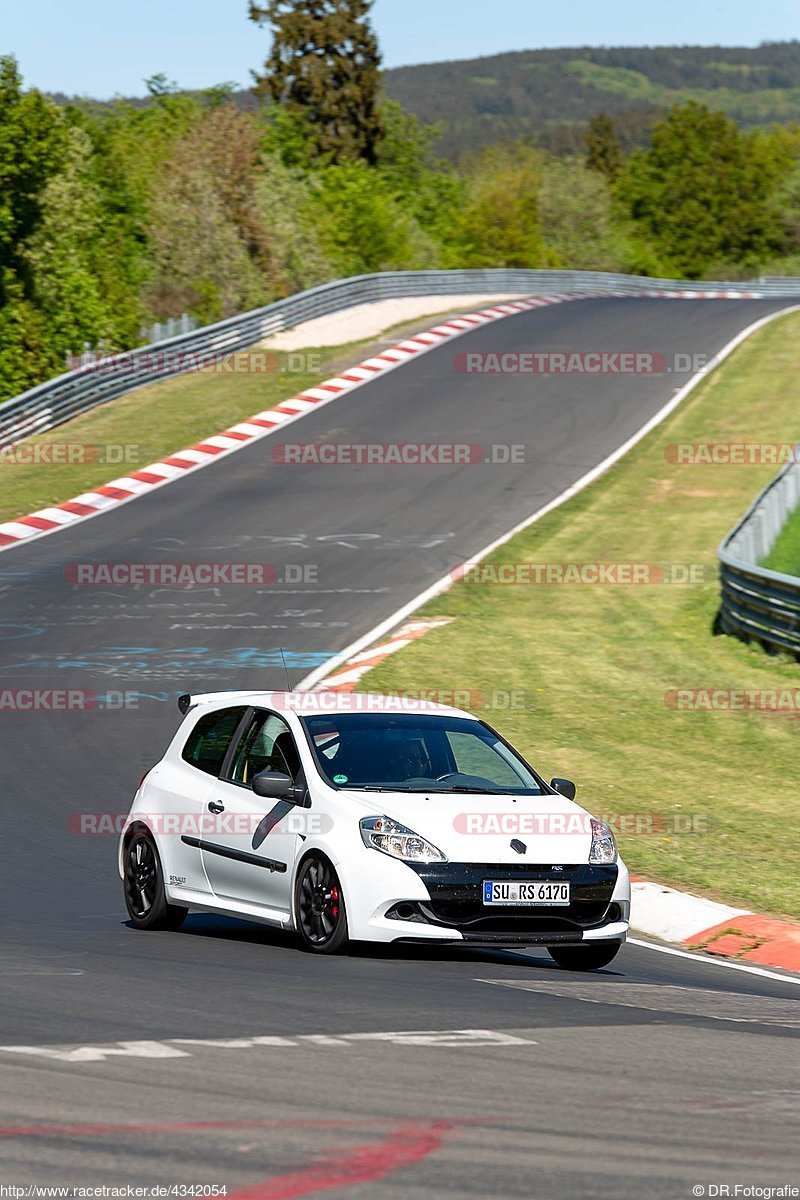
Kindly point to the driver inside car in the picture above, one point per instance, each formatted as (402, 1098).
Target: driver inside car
(409, 761)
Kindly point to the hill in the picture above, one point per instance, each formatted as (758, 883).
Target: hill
(549, 95)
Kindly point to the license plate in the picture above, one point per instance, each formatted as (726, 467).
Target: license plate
(527, 891)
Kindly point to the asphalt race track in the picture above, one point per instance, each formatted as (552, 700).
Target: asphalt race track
(223, 1055)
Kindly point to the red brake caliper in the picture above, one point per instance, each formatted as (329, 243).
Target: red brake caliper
(334, 901)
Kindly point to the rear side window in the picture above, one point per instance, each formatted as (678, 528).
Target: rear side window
(208, 742)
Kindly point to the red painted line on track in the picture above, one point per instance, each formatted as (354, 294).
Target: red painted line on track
(408, 1144)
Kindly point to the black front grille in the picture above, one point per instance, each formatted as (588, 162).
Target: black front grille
(456, 897)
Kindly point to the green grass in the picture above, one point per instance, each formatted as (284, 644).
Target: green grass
(161, 419)
(595, 664)
(785, 554)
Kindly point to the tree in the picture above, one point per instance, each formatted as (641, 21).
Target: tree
(701, 195)
(61, 256)
(499, 226)
(575, 215)
(208, 246)
(428, 188)
(604, 153)
(25, 357)
(33, 145)
(324, 65)
(360, 225)
(284, 198)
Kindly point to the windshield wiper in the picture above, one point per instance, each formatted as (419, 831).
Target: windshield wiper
(458, 787)
(376, 787)
(477, 791)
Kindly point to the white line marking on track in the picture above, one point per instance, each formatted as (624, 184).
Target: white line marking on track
(715, 962)
(177, 1047)
(740, 1007)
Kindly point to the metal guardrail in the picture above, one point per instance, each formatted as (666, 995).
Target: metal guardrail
(49, 404)
(759, 604)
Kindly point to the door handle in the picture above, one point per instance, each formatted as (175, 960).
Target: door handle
(216, 807)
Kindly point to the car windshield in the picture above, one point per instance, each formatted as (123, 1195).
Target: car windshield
(411, 752)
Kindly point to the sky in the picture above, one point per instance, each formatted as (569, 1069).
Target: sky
(101, 49)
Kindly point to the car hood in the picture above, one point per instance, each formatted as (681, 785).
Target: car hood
(481, 828)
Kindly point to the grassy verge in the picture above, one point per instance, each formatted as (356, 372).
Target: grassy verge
(785, 554)
(596, 666)
(163, 418)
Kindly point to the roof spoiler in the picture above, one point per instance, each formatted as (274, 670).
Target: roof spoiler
(187, 701)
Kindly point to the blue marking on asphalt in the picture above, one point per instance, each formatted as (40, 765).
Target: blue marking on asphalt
(155, 658)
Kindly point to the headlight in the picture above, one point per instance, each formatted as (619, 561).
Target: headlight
(388, 836)
(604, 848)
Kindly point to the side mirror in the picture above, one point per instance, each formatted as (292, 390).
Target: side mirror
(565, 786)
(274, 785)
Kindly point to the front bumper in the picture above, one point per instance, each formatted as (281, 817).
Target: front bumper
(443, 902)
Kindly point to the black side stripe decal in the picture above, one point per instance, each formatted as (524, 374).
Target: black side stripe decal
(270, 820)
(255, 860)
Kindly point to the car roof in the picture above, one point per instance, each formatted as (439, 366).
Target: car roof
(326, 702)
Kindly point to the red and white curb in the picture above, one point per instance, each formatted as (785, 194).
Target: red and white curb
(345, 679)
(717, 929)
(129, 487)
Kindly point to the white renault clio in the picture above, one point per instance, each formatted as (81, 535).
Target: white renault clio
(369, 818)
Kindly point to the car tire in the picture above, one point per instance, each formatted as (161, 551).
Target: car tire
(586, 957)
(320, 915)
(143, 885)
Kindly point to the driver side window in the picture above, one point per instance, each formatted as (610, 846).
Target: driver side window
(267, 744)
